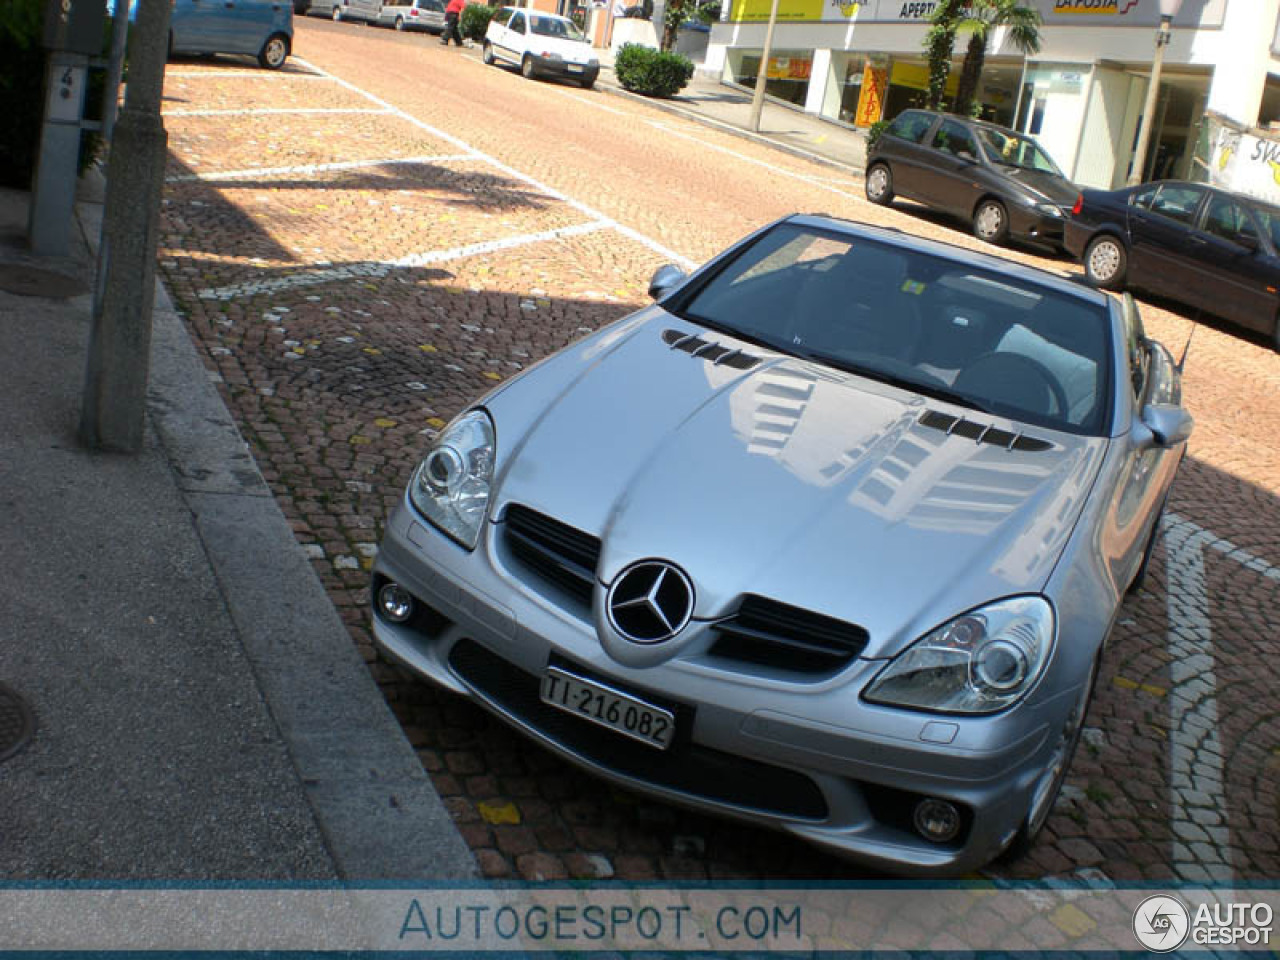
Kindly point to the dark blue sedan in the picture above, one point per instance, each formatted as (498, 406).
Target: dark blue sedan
(1206, 248)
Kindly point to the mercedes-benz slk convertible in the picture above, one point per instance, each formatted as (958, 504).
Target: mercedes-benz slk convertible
(829, 538)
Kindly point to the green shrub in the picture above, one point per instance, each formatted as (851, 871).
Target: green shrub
(22, 69)
(874, 131)
(475, 20)
(654, 73)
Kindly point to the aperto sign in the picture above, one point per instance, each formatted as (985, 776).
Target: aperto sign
(1129, 13)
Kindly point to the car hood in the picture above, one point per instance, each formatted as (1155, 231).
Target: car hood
(790, 480)
(1050, 186)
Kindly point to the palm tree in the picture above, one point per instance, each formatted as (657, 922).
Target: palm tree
(981, 20)
(938, 44)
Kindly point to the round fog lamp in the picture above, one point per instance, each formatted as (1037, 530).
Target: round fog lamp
(395, 602)
(938, 821)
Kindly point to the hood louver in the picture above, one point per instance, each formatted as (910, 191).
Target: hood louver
(982, 432)
(713, 353)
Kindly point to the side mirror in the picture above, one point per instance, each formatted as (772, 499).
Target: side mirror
(666, 278)
(1169, 425)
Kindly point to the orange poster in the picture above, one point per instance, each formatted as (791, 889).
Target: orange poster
(875, 81)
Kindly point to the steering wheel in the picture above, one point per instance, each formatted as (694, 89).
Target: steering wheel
(1014, 379)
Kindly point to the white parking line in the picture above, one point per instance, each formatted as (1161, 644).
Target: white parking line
(310, 168)
(268, 111)
(256, 74)
(381, 268)
(1196, 763)
(595, 215)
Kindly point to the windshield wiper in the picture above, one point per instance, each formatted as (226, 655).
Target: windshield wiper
(939, 390)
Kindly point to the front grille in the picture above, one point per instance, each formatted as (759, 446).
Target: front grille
(982, 433)
(773, 634)
(552, 550)
(685, 766)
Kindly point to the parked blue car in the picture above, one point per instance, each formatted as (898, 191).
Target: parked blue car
(259, 28)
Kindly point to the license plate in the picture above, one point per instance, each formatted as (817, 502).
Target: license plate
(575, 68)
(609, 708)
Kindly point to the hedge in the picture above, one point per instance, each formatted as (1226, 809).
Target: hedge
(654, 73)
(475, 20)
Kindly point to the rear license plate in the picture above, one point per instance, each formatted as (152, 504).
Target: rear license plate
(609, 708)
(575, 68)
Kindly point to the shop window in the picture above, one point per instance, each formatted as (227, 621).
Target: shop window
(787, 75)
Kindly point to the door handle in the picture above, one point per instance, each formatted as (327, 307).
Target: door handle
(1197, 240)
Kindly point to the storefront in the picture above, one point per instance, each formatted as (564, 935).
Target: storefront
(1082, 94)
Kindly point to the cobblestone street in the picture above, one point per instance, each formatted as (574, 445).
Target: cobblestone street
(364, 242)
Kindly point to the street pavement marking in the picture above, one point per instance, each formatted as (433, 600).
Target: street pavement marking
(589, 211)
(381, 268)
(268, 111)
(308, 168)
(803, 178)
(256, 74)
(1201, 847)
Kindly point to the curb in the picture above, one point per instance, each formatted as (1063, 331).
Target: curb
(372, 800)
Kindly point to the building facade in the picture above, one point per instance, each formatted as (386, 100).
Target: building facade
(1081, 95)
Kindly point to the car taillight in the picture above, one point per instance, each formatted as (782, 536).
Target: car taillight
(1075, 211)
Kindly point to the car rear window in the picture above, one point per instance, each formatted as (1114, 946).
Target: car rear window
(962, 331)
(911, 126)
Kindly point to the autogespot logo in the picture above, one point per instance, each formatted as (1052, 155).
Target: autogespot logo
(1161, 923)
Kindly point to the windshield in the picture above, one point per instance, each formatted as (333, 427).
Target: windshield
(941, 327)
(555, 27)
(1014, 150)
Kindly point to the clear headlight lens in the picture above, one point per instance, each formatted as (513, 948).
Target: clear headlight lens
(1050, 209)
(981, 662)
(451, 485)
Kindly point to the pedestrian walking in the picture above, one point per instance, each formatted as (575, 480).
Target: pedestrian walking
(452, 14)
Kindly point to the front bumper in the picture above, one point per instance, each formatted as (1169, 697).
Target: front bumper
(553, 67)
(1036, 225)
(809, 758)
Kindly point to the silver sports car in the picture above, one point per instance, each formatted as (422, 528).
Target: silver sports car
(829, 538)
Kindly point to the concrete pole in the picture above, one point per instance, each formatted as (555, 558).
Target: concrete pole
(115, 68)
(115, 390)
(762, 74)
(1149, 108)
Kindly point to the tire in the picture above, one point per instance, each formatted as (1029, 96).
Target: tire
(1046, 792)
(991, 222)
(1140, 577)
(879, 184)
(400, 24)
(336, 13)
(274, 52)
(1106, 262)
(587, 83)
(526, 67)
(487, 53)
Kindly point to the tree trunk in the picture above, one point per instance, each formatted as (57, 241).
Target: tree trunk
(970, 72)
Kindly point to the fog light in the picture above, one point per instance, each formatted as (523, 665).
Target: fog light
(937, 820)
(395, 602)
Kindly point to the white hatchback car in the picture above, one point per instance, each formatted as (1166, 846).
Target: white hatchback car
(541, 44)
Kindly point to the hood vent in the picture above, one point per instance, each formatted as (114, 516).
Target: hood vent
(982, 432)
(713, 353)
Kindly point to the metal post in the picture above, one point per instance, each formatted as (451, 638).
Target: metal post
(757, 98)
(115, 68)
(53, 193)
(1139, 163)
(115, 390)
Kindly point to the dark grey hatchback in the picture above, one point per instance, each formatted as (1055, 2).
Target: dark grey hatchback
(1000, 180)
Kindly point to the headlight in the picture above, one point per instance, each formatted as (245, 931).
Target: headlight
(981, 662)
(1049, 209)
(451, 485)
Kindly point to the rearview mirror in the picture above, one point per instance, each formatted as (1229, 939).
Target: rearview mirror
(666, 278)
(1169, 425)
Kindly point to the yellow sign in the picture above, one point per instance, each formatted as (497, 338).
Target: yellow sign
(915, 76)
(875, 81)
(794, 10)
(789, 68)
